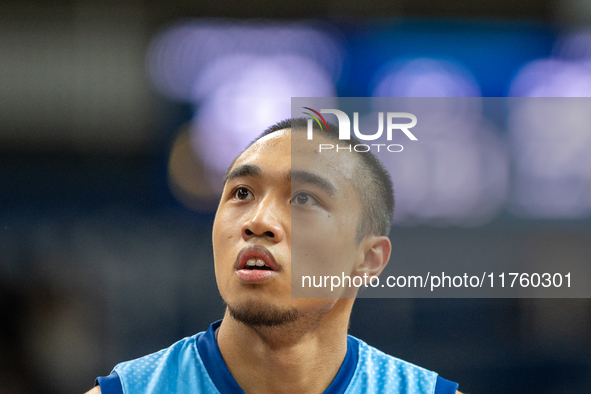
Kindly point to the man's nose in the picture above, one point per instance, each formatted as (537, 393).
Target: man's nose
(265, 221)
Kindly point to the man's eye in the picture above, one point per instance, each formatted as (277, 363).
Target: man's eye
(303, 199)
(243, 193)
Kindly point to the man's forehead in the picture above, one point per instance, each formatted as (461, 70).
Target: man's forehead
(293, 151)
(275, 139)
(278, 139)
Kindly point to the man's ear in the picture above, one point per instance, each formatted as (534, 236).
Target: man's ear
(376, 254)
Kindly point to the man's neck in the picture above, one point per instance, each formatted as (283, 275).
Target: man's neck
(300, 357)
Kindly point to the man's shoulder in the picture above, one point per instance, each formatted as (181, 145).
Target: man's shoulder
(380, 372)
(375, 358)
(163, 368)
(154, 359)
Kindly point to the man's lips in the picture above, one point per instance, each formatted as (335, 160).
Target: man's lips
(259, 253)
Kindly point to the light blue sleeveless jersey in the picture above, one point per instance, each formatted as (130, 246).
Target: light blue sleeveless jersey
(195, 365)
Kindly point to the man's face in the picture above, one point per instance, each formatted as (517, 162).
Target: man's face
(271, 201)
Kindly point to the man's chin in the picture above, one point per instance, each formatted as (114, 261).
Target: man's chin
(262, 314)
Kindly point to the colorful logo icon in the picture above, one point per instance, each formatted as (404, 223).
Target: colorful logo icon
(315, 118)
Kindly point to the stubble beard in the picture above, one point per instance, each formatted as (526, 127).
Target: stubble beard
(262, 314)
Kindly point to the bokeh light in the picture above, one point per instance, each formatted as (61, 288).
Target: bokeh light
(550, 141)
(187, 177)
(240, 78)
(550, 136)
(553, 78)
(181, 52)
(448, 179)
(248, 101)
(458, 174)
(425, 77)
(566, 74)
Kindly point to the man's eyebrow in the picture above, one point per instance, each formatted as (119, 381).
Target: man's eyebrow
(314, 179)
(242, 171)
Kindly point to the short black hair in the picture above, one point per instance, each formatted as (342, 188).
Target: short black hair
(372, 181)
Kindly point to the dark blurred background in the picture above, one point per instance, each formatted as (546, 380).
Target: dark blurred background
(116, 119)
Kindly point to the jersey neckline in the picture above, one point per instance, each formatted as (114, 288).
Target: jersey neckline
(221, 377)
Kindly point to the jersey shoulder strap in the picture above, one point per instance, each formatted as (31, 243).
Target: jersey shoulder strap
(176, 369)
(378, 372)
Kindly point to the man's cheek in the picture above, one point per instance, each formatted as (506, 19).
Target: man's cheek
(311, 258)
